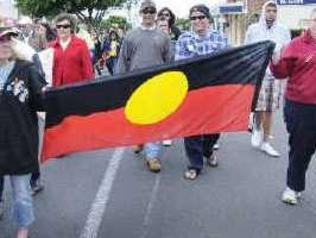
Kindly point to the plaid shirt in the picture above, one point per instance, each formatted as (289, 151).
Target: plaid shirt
(190, 44)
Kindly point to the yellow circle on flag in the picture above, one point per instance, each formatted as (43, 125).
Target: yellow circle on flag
(157, 98)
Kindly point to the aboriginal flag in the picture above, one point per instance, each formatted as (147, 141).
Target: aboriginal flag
(207, 94)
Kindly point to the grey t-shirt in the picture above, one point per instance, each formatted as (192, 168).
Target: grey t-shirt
(144, 48)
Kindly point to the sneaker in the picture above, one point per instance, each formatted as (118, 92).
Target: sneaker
(212, 161)
(290, 196)
(216, 146)
(1, 209)
(256, 137)
(36, 187)
(268, 149)
(153, 165)
(167, 143)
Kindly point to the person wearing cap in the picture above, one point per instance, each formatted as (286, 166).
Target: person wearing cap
(268, 28)
(201, 40)
(146, 46)
(21, 86)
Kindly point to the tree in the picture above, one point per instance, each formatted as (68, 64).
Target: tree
(114, 21)
(183, 23)
(90, 12)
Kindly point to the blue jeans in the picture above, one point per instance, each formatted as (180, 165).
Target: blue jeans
(152, 150)
(198, 146)
(22, 209)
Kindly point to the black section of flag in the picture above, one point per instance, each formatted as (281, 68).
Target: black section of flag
(242, 65)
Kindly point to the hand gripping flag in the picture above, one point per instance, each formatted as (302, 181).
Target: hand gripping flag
(207, 94)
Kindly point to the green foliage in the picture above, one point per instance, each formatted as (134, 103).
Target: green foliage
(114, 22)
(183, 23)
(95, 9)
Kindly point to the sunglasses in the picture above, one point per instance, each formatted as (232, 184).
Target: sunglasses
(202, 17)
(165, 14)
(149, 11)
(62, 26)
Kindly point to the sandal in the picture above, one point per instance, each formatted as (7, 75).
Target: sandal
(153, 165)
(212, 161)
(191, 174)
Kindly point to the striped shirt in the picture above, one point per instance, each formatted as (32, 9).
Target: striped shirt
(191, 44)
(5, 71)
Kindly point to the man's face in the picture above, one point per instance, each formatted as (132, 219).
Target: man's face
(163, 26)
(199, 21)
(271, 14)
(149, 16)
(63, 29)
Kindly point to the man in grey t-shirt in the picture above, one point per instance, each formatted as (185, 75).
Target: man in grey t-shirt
(143, 47)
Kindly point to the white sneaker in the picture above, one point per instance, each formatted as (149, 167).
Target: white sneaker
(290, 196)
(167, 142)
(216, 146)
(212, 161)
(256, 137)
(268, 149)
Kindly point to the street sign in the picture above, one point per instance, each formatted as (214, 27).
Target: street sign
(296, 2)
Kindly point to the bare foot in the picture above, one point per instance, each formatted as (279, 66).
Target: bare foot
(22, 233)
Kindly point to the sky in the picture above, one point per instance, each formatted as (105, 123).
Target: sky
(181, 7)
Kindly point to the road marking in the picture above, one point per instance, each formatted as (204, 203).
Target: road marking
(150, 206)
(100, 202)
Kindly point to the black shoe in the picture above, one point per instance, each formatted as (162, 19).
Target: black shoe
(36, 187)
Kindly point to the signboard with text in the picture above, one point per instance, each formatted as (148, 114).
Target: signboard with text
(296, 2)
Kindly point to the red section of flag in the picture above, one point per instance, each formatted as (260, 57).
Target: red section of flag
(227, 109)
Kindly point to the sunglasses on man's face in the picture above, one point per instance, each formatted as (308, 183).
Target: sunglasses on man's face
(193, 18)
(62, 26)
(149, 11)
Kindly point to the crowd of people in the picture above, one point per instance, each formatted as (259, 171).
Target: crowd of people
(77, 56)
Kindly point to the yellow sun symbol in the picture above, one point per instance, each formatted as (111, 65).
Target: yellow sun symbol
(157, 98)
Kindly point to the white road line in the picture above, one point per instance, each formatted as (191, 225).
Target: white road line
(150, 206)
(100, 202)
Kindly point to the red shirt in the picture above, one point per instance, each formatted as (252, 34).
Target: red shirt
(298, 62)
(72, 64)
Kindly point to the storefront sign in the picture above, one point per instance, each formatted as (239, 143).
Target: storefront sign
(296, 2)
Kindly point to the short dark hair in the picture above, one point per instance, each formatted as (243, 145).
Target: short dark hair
(203, 9)
(65, 16)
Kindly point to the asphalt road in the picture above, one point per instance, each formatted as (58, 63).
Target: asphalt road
(109, 193)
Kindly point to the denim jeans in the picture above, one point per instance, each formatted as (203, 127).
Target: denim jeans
(152, 150)
(22, 202)
(198, 146)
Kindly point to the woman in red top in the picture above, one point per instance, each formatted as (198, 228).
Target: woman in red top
(298, 63)
(72, 61)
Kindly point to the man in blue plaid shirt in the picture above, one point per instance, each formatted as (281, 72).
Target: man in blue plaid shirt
(201, 41)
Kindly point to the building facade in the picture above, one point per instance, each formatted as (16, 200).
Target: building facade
(7, 9)
(237, 15)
